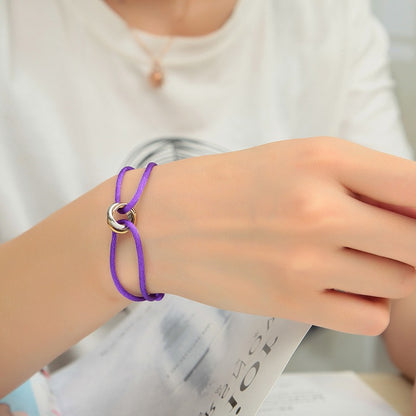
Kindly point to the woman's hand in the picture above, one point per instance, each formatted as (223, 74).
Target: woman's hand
(301, 229)
(5, 411)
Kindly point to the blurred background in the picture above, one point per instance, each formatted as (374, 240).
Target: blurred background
(399, 18)
(325, 350)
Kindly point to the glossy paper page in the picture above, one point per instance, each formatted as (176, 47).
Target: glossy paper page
(182, 358)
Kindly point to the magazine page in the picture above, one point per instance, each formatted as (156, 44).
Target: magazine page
(324, 394)
(182, 358)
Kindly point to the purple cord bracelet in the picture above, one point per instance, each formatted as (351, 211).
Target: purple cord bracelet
(122, 226)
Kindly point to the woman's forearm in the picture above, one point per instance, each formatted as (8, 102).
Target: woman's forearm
(55, 284)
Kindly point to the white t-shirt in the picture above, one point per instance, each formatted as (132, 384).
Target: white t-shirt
(75, 99)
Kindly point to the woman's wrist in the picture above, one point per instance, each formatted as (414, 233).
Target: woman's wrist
(152, 226)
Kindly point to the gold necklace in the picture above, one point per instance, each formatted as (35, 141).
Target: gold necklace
(156, 75)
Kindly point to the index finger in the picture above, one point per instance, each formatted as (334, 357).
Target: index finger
(381, 179)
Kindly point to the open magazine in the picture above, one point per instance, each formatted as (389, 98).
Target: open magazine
(179, 357)
(174, 357)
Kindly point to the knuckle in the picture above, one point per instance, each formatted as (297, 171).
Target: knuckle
(312, 208)
(319, 152)
(301, 263)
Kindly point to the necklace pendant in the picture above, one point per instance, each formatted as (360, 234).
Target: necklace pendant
(156, 77)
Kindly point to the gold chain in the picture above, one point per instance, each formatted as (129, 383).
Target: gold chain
(156, 76)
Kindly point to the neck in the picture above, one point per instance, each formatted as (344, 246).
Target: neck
(174, 17)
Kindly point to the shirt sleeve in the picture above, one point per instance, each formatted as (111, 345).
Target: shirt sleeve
(371, 115)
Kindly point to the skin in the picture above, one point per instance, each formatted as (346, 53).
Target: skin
(278, 230)
(5, 411)
(400, 338)
(174, 18)
(414, 401)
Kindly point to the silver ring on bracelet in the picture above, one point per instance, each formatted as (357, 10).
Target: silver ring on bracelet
(111, 221)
